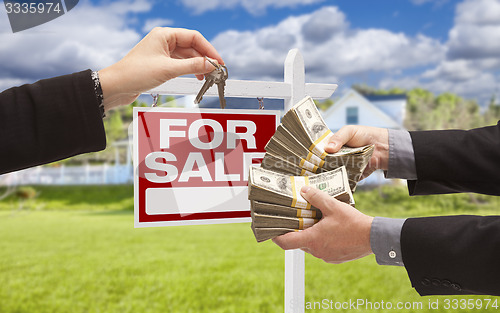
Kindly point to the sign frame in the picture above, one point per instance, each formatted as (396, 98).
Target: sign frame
(137, 199)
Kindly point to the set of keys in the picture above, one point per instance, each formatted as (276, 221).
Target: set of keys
(217, 76)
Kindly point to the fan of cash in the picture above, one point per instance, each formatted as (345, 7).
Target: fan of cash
(295, 156)
(298, 146)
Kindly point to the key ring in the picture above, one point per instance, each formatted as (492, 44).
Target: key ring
(261, 103)
(155, 99)
(218, 67)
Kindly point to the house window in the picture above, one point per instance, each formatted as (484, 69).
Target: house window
(352, 116)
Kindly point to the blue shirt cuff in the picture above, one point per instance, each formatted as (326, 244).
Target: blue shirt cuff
(401, 156)
(385, 240)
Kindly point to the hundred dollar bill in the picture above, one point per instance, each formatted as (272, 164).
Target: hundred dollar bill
(307, 126)
(282, 158)
(283, 144)
(263, 234)
(305, 123)
(286, 146)
(275, 163)
(271, 187)
(278, 164)
(281, 210)
(275, 221)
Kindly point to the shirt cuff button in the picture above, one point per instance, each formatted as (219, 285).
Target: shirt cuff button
(392, 254)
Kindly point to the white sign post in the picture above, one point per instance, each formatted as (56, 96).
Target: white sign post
(292, 90)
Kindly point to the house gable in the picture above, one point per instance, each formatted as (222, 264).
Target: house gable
(368, 114)
(392, 105)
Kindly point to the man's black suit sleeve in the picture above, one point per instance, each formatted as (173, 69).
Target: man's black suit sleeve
(49, 120)
(449, 161)
(452, 255)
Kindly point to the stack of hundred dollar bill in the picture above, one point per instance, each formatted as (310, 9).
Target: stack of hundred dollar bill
(295, 157)
(277, 206)
(298, 146)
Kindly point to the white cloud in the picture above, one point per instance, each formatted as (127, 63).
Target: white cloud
(324, 23)
(156, 22)
(330, 48)
(255, 7)
(472, 61)
(480, 86)
(479, 12)
(454, 70)
(6, 83)
(88, 36)
(476, 79)
(92, 36)
(476, 33)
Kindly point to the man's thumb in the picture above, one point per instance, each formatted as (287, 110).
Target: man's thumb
(318, 199)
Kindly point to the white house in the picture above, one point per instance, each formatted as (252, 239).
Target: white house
(386, 111)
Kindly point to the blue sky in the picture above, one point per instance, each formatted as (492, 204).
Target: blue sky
(396, 15)
(441, 45)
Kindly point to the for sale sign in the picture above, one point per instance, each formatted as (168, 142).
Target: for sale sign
(191, 165)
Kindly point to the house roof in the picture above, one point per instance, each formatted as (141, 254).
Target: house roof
(374, 98)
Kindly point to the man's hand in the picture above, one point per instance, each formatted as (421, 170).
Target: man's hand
(342, 235)
(163, 54)
(358, 136)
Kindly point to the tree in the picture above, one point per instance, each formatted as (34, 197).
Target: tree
(114, 126)
(367, 90)
(492, 114)
(325, 104)
(444, 111)
(427, 111)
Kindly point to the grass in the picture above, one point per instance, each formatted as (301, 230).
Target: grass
(74, 249)
(73, 198)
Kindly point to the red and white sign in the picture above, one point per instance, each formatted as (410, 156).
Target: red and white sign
(191, 165)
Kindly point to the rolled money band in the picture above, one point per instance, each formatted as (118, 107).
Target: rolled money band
(306, 173)
(308, 166)
(306, 222)
(297, 183)
(314, 159)
(318, 147)
(306, 213)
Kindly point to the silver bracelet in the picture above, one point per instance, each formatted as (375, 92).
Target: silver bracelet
(98, 92)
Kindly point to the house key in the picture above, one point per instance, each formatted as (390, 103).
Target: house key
(217, 76)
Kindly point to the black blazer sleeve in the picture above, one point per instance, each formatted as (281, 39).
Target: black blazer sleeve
(452, 255)
(449, 161)
(49, 120)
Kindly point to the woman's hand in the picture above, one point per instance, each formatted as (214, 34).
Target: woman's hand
(163, 54)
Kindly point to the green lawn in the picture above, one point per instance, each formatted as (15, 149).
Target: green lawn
(74, 249)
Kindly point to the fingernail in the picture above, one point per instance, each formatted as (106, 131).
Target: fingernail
(332, 145)
(305, 189)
